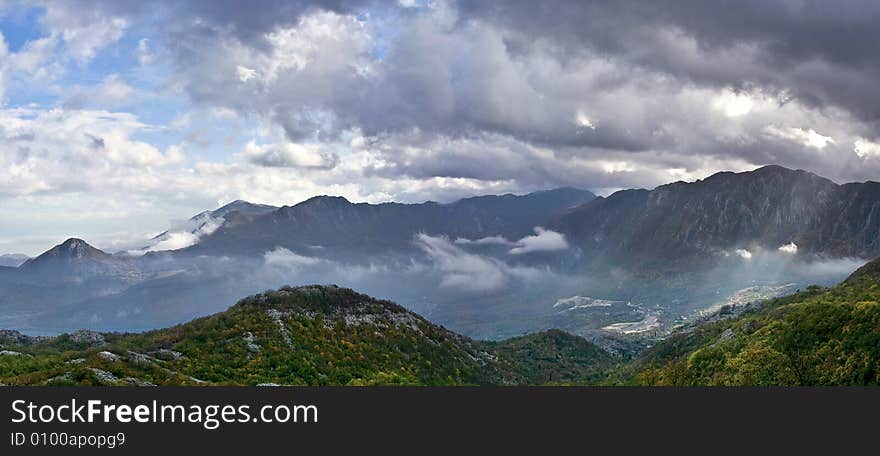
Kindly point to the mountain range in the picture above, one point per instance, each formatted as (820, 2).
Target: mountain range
(489, 266)
(684, 226)
(351, 230)
(12, 260)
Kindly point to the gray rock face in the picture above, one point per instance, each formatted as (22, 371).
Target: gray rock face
(12, 353)
(727, 334)
(109, 357)
(63, 378)
(251, 342)
(104, 376)
(137, 382)
(10, 337)
(139, 358)
(84, 336)
(167, 355)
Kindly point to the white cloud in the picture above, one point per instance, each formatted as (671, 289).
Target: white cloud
(744, 254)
(489, 240)
(866, 149)
(245, 74)
(807, 138)
(790, 248)
(182, 235)
(84, 33)
(112, 91)
(71, 151)
(584, 121)
(4, 52)
(733, 104)
(468, 272)
(285, 259)
(542, 241)
(290, 155)
(462, 270)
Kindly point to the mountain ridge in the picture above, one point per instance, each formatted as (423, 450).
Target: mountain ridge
(336, 223)
(688, 224)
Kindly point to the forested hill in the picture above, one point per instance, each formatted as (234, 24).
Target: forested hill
(815, 337)
(312, 335)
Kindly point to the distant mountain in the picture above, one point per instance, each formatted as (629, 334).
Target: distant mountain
(240, 206)
(312, 335)
(75, 260)
(207, 222)
(815, 337)
(682, 226)
(352, 229)
(75, 285)
(71, 252)
(13, 260)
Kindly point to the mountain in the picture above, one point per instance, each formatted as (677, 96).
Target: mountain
(13, 260)
(815, 337)
(70, 252)
(242, 207)
(74, 285)
(66, 274)
(684, 226)
(351, 229)
(75, 260)
(311, 335)
(204, 223)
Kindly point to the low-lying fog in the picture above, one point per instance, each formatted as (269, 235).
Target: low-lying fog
(484, 288)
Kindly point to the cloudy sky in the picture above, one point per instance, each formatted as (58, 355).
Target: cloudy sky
(119, 117)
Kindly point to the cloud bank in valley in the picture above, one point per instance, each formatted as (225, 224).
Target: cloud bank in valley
(543, 240)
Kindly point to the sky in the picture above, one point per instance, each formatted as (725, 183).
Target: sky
(118, 118)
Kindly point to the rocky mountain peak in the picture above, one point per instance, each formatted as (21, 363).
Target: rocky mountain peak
(73, 250)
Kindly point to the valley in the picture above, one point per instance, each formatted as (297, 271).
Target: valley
(623, 272)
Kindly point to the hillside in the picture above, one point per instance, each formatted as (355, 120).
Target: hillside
(815, 337)
(687, 226)
(294, 336)
(554, 357)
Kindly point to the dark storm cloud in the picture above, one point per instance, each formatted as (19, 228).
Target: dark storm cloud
(823, 52)
(599, 94)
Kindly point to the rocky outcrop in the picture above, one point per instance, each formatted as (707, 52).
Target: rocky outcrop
(12, 353)
(109, 357)
(103, 376)
(10, 337)
(84, 336)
